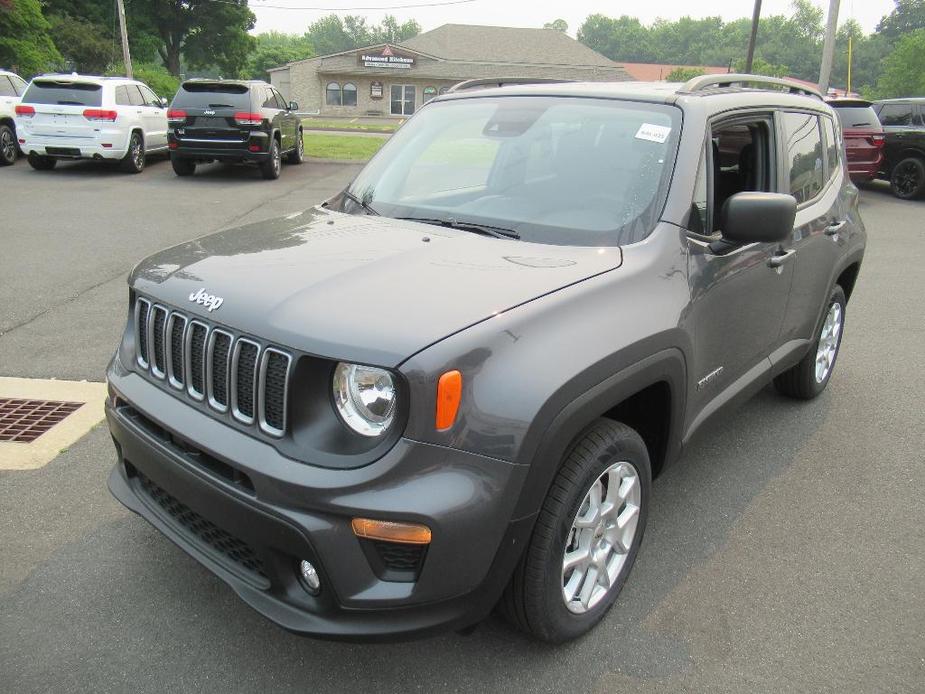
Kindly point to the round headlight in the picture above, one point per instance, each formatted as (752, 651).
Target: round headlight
(365, 398)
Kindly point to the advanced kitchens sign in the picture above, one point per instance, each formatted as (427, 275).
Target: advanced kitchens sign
(386, 58)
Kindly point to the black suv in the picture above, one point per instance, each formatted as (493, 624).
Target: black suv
(233, 121)
(450, 386)
(903, 123)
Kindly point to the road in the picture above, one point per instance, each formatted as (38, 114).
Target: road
(784, 553)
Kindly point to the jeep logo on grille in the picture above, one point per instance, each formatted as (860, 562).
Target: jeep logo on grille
(202, 297)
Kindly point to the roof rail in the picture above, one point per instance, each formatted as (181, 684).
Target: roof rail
(725, 81)
(488, 82)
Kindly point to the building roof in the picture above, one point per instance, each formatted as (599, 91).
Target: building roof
(654, 72)
(491, 44)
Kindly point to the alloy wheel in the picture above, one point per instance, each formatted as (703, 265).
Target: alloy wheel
(137, 152)
(906, 178)
(600, 538)
(828, 342)
(7, 145)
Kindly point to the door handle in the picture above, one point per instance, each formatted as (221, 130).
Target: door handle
(835, 227)
(780, 258)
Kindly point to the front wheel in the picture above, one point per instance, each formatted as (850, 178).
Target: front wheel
(296, 155)
(271, 167)
(811, 375)
(586, 537)
(7, 145)
(907, 180)
(134, 159)
(41, 163)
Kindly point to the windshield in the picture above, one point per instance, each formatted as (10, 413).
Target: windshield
(571, 171)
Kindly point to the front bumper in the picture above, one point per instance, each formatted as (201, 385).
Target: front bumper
(292, 511)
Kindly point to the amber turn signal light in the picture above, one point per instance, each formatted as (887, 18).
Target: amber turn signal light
(449, 391)
(391, 531)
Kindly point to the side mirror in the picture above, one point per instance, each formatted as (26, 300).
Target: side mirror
(293, 106)
(757, 217)
(163, 102)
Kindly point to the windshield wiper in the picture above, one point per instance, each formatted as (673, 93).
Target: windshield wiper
(365, 205)
(475, 227)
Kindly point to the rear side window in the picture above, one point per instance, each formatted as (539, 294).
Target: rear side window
(803, 144)
(896, 114)
(6, 86)
(19, 85)
(213, 95)
(857, 117)
(122, 96)
(63, 93)
(134, 95)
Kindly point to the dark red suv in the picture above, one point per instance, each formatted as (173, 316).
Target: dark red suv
(863, 137)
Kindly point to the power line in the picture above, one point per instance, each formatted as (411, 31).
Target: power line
(353, 9)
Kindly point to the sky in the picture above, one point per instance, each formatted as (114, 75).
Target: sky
(530, 13)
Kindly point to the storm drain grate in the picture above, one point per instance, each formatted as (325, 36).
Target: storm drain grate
(24, 421)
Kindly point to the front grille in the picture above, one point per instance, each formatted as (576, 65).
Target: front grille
(159, 360)
(232, 373)
(234, 550)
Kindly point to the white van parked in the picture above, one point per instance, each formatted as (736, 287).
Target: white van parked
(12, 87)
(79, 117)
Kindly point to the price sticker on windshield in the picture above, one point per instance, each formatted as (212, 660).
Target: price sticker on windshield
(653, 133)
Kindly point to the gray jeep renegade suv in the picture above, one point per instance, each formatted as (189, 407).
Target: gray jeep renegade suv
(449, 387)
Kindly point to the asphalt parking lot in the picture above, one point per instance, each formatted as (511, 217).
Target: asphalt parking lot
(784, 553)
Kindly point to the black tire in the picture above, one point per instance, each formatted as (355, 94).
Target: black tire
(40, 162)
(270, 169)
(907, 179)
(801, 381)
(134, 159)
(534, 600)
(296, 155)
(183, 167)
(8, 147)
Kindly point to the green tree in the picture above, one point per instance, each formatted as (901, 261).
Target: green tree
(558, 25)
(332, 34)
(904, 68)
(86, 47)
(682, 74)
(202, 33)
(760, 66)
(25, 44)
(273, 49)
(908, 16)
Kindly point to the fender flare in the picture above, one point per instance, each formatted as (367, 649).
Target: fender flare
(667, 365)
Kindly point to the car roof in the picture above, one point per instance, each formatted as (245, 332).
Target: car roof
(707, 97)
(86, 79)
(243, 83)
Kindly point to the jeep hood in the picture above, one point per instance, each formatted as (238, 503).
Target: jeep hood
(359, 288)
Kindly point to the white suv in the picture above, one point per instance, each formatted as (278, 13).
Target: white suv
(12, 87)
(78, 117)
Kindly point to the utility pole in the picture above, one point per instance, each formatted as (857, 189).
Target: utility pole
(828, 48)
(126, 56)
(750, 57)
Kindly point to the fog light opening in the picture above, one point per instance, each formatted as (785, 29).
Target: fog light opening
(311, 581)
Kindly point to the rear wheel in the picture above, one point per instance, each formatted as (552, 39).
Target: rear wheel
(295, 156)
(7, 145)
(586, 537)
(810, 377)
(907, 180)
(40, 162)
(183, 167)
(271, 167)
(134, 159)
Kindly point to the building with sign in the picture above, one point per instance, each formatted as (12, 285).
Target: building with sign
(395, 80)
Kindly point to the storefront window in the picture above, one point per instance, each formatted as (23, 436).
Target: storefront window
(333, 96)
(429, 93)
(350, 94)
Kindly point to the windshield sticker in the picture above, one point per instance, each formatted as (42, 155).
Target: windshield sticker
(653, 133)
